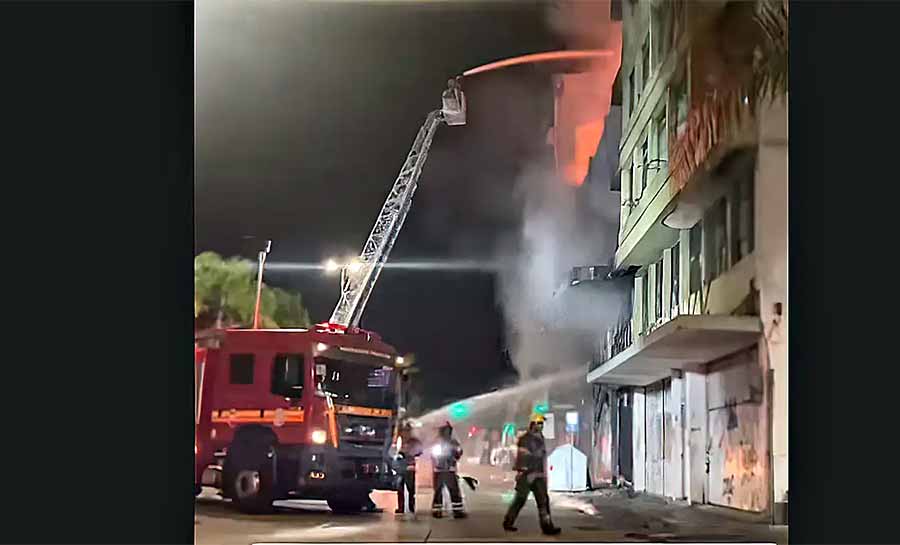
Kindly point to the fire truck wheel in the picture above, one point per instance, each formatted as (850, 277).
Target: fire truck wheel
(347, 505)
(251, 486)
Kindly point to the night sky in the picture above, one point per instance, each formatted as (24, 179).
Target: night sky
(305, 113)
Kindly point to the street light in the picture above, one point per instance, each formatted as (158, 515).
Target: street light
(259, 276)
(331, 266)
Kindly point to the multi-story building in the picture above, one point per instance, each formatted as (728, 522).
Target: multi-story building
(694, 382)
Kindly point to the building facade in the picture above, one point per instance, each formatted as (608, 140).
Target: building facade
(691, 387)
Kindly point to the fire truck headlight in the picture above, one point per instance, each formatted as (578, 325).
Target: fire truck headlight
(436, 450)
(321, 347)
(319, 437)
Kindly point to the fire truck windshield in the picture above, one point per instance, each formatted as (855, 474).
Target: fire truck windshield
(351, 383)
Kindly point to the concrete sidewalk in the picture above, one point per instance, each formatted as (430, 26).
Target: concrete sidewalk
(641, 517)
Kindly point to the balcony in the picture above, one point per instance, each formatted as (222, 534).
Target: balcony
(725, 117)
(685, 342)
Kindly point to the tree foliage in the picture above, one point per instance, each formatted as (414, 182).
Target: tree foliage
(225, 293)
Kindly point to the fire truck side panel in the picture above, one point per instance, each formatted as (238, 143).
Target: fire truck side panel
(305, 469)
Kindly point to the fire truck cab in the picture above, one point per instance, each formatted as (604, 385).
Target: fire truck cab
(295, 413)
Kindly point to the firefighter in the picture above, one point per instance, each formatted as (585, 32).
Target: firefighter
(531, 476)
(410, 449)
(445, 453)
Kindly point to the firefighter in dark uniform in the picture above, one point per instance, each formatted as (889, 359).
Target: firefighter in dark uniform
(410, 449)
(531, 476)
(445, 453)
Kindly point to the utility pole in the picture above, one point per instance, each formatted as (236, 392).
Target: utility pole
(259, 276)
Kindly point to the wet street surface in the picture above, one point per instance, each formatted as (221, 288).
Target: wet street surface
(598, 516)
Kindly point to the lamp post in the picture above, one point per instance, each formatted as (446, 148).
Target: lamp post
(259, 276)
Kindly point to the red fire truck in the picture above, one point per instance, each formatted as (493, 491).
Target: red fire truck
(296, 413)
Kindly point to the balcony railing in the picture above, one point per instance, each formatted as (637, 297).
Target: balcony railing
(618, 339)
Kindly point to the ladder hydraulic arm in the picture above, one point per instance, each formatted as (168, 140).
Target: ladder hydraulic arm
(358, 277)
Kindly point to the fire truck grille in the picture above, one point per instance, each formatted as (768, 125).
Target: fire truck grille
(363, 429)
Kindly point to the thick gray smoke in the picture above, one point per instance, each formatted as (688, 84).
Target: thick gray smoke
(553, 325)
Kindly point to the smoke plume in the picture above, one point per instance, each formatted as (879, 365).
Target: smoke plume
(566, 223)
(551, 324)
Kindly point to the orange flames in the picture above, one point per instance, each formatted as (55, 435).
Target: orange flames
(541, 57)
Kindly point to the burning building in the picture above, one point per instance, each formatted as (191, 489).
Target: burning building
(690, 388)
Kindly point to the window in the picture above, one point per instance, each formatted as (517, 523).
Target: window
(241, 369)
(287, 375)
(627, 193)
(360, 384)
(645, 160)
(716, 240)
(645, 62)
(676, 264)
(742, 218)
(661, 139)
(658, 281)
(632, 92)
(696, 239)
(645, 303)
(661, 29)
(680, 102)
(636, 185)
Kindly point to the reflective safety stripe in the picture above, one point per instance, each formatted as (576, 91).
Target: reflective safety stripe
(362, 411)
(261, 416)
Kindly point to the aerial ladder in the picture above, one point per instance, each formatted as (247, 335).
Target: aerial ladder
(359, 276)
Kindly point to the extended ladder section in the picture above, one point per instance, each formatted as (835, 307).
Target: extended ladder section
(358, 278)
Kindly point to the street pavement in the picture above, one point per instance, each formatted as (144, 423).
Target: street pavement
(598, 516)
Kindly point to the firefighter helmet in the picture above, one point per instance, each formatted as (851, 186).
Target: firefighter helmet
(537, 418)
